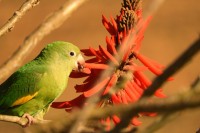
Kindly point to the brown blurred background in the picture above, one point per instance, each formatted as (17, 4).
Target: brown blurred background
(174, 27)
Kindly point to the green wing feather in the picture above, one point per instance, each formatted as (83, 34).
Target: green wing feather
(21, 84)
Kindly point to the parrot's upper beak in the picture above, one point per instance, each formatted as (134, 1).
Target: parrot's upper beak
(80, 67)
(80, 63)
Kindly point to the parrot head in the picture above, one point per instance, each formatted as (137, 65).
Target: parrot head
(68, 52)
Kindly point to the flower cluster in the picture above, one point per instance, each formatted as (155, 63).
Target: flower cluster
(115, 73)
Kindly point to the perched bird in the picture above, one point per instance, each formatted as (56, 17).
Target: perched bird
(30, 90)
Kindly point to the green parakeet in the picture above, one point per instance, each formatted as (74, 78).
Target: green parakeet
(32, 88)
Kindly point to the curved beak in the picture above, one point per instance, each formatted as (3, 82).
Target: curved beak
(80, 66)
(80, 63)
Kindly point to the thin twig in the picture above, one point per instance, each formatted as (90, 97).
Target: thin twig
(9, 25)
(160, 122)
(20, 120)
(50, 24)
(168, 116)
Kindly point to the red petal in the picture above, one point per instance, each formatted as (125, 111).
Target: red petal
(112, 81)
(92, 60)
(83, 87)
(114, 24)
(134, 68)
(96, 66)
(147, 83)
(102, 55)
(129, 100)
(119, 96)
(86, 71)
(156, 64)
(123, 97)
(90, 78)
(77, 75)
(108, 55)
(139, 13)
(87, 52)
(137, 82)
(111, 46)
(78, 101)
(130, 93)
(148, 64)
(108, 124)
(160, 94)
(137, 88)
(58, 105)
(108, 25)
(124, 32)
(115, 99)
(136, 94)
(151, 66)
(96, 88)
(104, 19)
(143, 79)
(118, 37)
(96, 54)
(116, 119)
(148, 114)
(136, 122)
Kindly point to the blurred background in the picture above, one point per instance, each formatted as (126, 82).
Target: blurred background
(174, 27)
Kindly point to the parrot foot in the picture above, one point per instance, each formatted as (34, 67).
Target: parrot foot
(30, 119)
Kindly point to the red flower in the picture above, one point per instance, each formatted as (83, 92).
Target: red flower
(114, 69)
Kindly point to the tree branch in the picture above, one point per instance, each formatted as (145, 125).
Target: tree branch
(173, 68)
(9, 25)
(184, 58)
(187, 100)
(50, 24)
(19, 120)
(160, 122)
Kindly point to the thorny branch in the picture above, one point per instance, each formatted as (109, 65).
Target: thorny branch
(9, 25)
(50, 24)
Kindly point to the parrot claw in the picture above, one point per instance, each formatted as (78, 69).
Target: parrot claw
(30, 119)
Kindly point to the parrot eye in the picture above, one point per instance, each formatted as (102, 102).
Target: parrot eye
(72, 53)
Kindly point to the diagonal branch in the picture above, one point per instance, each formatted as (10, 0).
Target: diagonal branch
(173, 68)
(9, 25)
(50, 24)
(184, 58)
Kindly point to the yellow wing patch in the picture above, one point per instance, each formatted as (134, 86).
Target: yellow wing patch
(24, 99)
